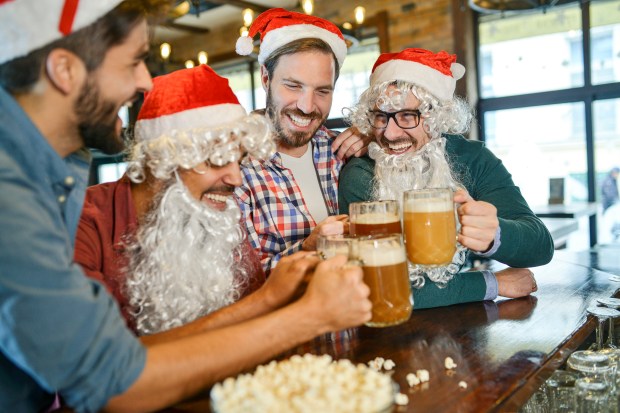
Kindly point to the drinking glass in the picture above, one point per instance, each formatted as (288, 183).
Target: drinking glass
(374, 218)
(561, 391)
(430, 226)
(538, 403)
(601, 314)
(592, 364)
(615, 304)
(384, 263)
(593, 396)
(330, 245)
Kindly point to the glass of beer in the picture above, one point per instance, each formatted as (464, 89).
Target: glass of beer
(430, 226)
(374, 218)
(384, 263)
(328, 246)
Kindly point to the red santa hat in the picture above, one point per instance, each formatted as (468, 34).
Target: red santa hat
(278, 27)
(191, 116)
(435, 72)
(27, 25)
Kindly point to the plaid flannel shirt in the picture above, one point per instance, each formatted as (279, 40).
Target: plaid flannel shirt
(276, 216)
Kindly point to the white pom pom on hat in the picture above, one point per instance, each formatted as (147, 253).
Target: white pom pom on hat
(244, 45)
(279, 27)
(27, 25)
(435, 72)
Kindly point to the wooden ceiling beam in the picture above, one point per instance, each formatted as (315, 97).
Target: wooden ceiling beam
(242, 4)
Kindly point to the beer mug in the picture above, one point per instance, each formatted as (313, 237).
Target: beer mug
(328, 246)
(374, 218)
(384, 263)
(430, 226)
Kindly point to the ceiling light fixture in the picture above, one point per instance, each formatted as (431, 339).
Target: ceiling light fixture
(248, 17)
(203, 58)
(165, 50)
(498, 6)
(360, 14)
(307, 6)
(189, 64)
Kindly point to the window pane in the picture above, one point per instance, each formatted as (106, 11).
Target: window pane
(259, 92)
(239, 80)
(354, 76)
(540, 143)
(607, 157)
(605, 41)
(531, 52)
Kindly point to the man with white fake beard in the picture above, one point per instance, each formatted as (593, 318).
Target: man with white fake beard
(167, 239)
(413, 115)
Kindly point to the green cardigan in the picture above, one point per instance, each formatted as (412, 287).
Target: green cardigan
(525, 241)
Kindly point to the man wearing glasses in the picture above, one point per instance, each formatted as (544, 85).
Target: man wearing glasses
(411, 112)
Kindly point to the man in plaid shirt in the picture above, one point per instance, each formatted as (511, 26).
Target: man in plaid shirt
(292, 198)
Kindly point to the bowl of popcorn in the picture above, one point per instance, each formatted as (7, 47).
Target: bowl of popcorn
(306, 383)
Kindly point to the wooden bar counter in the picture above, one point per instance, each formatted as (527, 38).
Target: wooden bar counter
(504, 350)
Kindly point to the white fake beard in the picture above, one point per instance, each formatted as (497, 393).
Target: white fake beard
(427, 167)
(424, 168)
(182, 262)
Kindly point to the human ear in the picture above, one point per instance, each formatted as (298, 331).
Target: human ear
(65, 70)
(264, 77)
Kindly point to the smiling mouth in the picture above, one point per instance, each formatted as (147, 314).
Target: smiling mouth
(399, 147)
(217, 198)
(300, 121)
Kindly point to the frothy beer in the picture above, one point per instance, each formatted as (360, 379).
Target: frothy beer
(386, 274)
(430, 230)
(375, 223)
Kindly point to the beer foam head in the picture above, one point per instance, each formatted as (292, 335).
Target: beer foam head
(387, 253)
(429, 205)
(376, 218)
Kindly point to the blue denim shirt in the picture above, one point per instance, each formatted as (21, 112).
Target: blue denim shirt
(59, 330)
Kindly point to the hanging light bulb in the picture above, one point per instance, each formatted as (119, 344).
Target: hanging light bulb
(307, 6)
(189, 64)
(347, 26)
(243, 31)
(203, 58)
(164, 50)
(360, 14)
(248, 17)
(182, 8)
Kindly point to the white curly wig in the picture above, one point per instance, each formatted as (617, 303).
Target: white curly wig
(185, 149)
(447, 116)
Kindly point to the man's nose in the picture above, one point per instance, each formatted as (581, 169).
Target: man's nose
(232, 176)
(392, 130)
(305, 102)
(144, 82)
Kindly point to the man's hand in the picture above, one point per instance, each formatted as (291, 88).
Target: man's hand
(350, 143)
(515, 282)
(333, 225)
(290, 275)
(337, 295)
(479, 222)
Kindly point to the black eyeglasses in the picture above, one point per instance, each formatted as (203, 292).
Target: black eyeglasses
(405, 119)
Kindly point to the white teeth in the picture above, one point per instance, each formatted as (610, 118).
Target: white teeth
(216, 198)
(400, 146)
(299, 121)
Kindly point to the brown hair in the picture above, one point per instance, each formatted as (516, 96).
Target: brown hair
(309, 44)
(89, 43)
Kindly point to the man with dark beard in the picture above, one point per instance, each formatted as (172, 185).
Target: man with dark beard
(291, 198)
(62, 338)
(412, 113)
